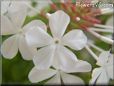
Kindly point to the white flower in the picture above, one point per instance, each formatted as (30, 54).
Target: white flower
(12, 6)
(39, 5)
(104, 73)
(56, 75)
(12, 24)
(52, 50)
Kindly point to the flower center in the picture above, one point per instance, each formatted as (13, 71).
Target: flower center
(56, 41)
(20, 31)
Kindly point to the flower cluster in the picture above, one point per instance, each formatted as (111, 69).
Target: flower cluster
(51, 47)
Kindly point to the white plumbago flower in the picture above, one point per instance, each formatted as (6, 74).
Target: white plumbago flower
(12, 24)
(57, 76)
(12, 6)
(39, 5)
(52, 50)
(104, 73)
(91, 25)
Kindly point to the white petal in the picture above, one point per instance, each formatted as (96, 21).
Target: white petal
(83, 66)
(110, 59)
(103, 58)
(9, 47)
(7, 27)
(58, 23)
(99, 76)
(56, 80)
(75, 39)
(37, 37)
(36, 75)
(40, 4)
(17, 12)
(69, 79)
(25, 50)
(103, 78)
(63, 58)
(79, 66)
(4, 6)
(95, 75)
(35, 24)
(44, 57)
(110, 71)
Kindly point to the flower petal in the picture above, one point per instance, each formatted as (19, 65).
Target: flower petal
(25, 50)
(7, 27)
(9, 47)
(79, 66)
(44, 57)
(95, 75)
(103, 78)
(35, 24)
(4, 6)
(36, 75)
(63, 58)
(37, 37)
(56, 80)
(75, 39)
(58, 23)
(103, 58)
(110, 59)
(39, 6)
(17, 12)
(110, 71)
(69, 79)
(99, 76)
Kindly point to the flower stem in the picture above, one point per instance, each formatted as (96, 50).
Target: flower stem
(103, 26)
(102, 30)
(32, 8)
(95, 47)
(103, 38)
(106, 10)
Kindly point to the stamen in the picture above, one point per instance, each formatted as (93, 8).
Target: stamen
(91, 19)
(53, 6)
(91, 52)
(73, 8)
(64, 5)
